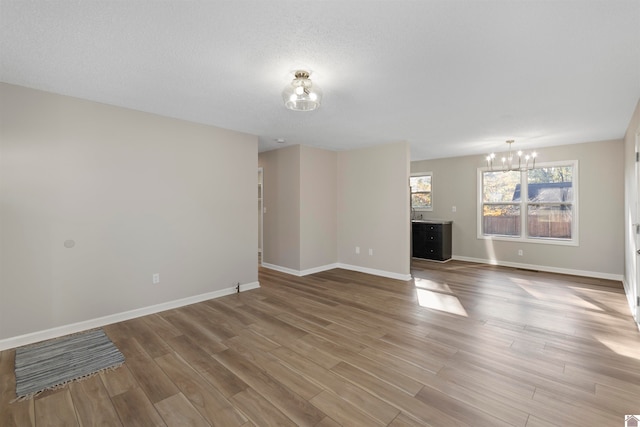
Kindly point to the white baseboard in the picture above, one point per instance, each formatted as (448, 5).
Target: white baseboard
(319, 269)
(375, 272)
(249, 286)
(281, 269)
(73, 328)
(545, 268)
(372, 271)
(299, 273)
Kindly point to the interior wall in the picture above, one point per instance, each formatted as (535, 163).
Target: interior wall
(281, 221)
(318, 208)
(631, 216)
(134, 193)
(373, 208)
(601, 202)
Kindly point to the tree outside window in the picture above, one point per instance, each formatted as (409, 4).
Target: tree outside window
(421, 188)
(536, 205)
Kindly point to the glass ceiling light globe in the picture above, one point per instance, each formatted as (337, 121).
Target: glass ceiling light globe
(302, 94)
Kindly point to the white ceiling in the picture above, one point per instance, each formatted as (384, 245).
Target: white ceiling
(452, 77)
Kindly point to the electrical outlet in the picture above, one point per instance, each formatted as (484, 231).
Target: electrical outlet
(156, 278)
(357, 249)
(370, 251)
(453, 209)
(520, 252)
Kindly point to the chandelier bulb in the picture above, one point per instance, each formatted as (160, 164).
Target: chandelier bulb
(508, 163)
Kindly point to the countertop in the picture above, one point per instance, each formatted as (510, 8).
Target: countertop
(432, 221)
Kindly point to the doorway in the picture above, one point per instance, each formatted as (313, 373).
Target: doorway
(636, 231)
(260, 214)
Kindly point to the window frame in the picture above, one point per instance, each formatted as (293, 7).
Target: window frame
(524, 204)
(411, 192)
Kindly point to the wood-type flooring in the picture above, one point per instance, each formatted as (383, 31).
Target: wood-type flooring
(462, 344)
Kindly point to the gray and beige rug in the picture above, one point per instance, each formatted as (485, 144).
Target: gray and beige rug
(54, 363)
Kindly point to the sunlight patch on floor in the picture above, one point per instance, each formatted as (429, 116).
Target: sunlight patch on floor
(440, 302)
(431, 285)
(630, 348)
(603, 297)
(529, 289)
(566, 298)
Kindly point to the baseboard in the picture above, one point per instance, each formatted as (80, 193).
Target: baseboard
(318, 269)
(299, 273)
(281, 269)
(375, 272)
(372, 271)
(584, 273)
(249, 286)
(73, 328)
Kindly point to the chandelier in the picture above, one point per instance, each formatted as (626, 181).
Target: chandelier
(302, 94)
(519, 162)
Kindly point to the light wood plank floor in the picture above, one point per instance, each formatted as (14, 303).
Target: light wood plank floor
(461, 345)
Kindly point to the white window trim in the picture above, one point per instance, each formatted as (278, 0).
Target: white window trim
(432, 200)
(523, 215)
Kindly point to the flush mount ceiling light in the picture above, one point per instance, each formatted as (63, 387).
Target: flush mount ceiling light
(525, 161)
(302, 94)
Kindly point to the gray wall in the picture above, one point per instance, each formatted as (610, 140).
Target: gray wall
(318, 214)
(138, 193)
(321, 204)
(601, 205)
(373, 207)
(281, 195)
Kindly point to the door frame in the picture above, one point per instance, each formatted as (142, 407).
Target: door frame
(635, 256)
(261, 214)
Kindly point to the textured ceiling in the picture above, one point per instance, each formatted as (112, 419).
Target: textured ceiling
(451, 77)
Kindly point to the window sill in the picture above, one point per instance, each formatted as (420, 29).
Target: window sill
(518, 239)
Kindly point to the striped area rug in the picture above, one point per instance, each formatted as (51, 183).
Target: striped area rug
(51, 364)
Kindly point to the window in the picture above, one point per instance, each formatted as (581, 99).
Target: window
(421, 191)
(539, 205)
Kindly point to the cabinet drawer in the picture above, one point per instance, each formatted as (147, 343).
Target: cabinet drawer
(434, 253)
(433, 237)
(434, 231)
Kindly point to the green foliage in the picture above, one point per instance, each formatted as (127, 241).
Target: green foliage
(499, 186)
(420, 191)
(420, 183)
(553, 174)
(421, 200)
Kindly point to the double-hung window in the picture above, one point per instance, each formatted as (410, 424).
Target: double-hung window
(421, 190)
(539, 205)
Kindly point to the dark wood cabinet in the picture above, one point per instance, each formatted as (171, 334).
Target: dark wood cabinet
(431, 239)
